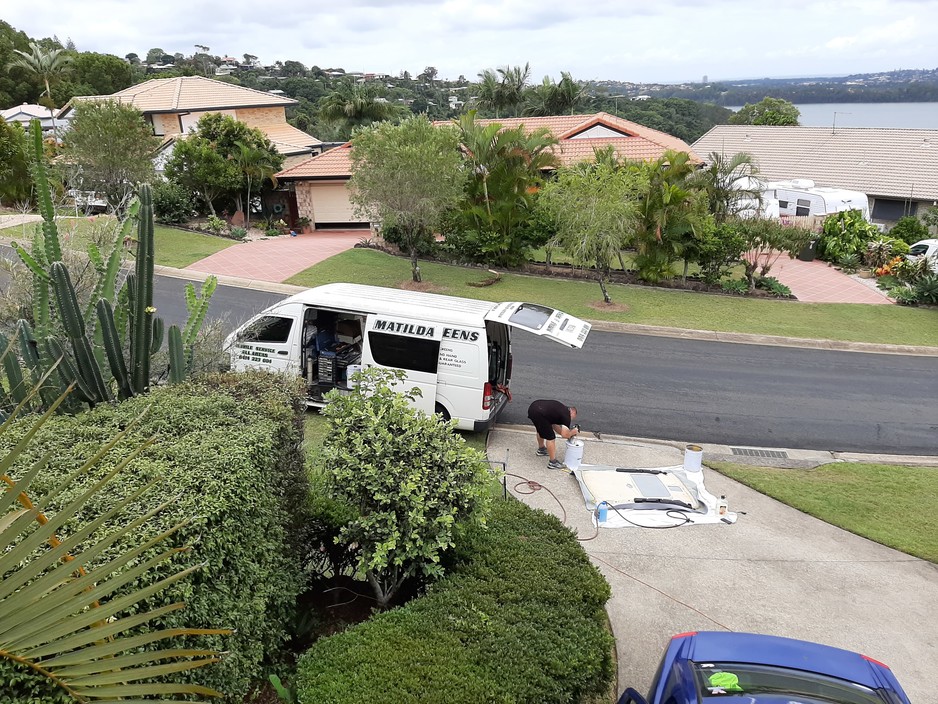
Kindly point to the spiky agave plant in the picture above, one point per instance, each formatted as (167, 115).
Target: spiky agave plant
(65, 617)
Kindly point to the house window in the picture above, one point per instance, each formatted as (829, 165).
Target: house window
(892, 210)
(403, 352)
(783, 205)
(803, 208)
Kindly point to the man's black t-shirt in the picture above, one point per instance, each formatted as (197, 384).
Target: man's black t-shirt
(551, 412)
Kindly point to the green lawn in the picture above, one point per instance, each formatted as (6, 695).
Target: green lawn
(644, 304)
(893, 505)
(180, 248)
(174, 247)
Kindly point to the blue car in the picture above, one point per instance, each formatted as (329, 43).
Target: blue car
(708, 667)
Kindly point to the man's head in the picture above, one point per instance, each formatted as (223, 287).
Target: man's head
(572, 413)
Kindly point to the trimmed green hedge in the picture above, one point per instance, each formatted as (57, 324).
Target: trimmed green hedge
(519, 618)
(228, 452)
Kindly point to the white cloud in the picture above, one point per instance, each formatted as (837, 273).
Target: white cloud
(616, 39)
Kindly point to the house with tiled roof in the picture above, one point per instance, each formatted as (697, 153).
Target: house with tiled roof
(320, 184)
(26, 113)
(173, 106)
(896, 168)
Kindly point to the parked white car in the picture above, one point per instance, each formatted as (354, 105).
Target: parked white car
(927, 249)
(88, 201)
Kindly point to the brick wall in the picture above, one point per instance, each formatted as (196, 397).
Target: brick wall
(168, 123)
(304, 201)
(255, 117)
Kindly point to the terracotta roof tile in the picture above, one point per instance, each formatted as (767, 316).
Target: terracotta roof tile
(631, 141)
(288, 139)
(335, 163)
(885, 162)
(189, 93)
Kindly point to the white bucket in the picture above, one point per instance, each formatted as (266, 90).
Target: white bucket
(693, 454)
(573, 456)
(349, 370)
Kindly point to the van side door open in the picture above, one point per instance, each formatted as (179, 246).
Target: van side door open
(540, 320)
(411, 345)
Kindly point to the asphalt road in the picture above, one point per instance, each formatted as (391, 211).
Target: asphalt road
(698, 391)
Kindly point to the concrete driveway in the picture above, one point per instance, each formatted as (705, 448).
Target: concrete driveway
(775, 571)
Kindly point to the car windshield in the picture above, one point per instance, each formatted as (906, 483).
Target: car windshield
(918, 249)
(732, 680)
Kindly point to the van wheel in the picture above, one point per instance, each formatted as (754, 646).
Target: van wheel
(441, 411)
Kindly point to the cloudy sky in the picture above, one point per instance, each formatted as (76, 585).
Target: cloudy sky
(653, 40)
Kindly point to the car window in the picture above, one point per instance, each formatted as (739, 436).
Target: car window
(270, 328)
(917, 249)
(718, 680)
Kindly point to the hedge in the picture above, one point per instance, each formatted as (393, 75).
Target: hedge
(228, 452)
(519, 618)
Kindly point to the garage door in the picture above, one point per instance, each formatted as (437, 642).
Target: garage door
(331, 204)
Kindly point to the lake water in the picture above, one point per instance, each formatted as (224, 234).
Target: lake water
(906, 115)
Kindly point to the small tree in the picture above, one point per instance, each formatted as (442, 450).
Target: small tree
(766, 241)
(768, 111)
(110, 147)
(407, 176)
(411, 479)
(15, 182)
(595, 211)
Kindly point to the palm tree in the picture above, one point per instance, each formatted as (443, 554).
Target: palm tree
(489, 97)
(514, 80)
(257, 165)
(48, 66)
(729, 183)
(551, 98)
(353, 104)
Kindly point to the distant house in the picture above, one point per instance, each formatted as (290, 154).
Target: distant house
(320, 184)
(173, 106)
(896, 168)
(26, 113)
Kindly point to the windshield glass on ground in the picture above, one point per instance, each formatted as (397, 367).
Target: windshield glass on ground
(731, 680)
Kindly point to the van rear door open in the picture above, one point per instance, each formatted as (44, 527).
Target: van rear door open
(540, 320)
(411, 345)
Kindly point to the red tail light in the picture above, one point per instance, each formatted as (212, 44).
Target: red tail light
(684, 635)
(875, 662)
(508, 371)
(487, 396)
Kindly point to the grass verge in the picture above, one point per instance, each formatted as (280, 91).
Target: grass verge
(644, 305)
(890, 504)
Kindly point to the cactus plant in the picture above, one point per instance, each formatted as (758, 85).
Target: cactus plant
(178, 368)
(74, 325)
(141, 324)
(111, 341)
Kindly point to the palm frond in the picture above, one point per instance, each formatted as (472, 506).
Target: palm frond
(61, 613)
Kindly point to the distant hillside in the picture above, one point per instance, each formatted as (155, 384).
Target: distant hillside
(907, 85)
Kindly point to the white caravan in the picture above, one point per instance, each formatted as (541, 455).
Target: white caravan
(457, 351)
(800, 197)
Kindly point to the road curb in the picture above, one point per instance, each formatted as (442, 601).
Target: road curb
(798, 457)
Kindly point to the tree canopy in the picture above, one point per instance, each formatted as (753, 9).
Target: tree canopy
(407, 176)
(768, 111)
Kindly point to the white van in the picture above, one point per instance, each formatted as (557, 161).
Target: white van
(457, 351)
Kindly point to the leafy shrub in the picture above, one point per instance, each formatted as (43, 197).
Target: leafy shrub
(849, 263)
(215, 224)
(392, 234)
(773, 286)
(846, 232)
(738, 286)
(272, 232)
(881, 250)
(718, 250)
(228, 456)
(238, 233)
(904, 295)
(518, 618)
(411, 478)
(909, 229)
(926, 289)
(172, 204)
(911, 270)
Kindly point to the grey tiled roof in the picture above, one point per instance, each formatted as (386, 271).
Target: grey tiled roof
(885, 162)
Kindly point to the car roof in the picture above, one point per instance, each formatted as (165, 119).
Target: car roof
(721, 647)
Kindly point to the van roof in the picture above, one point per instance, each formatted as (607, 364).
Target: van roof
(412, 304)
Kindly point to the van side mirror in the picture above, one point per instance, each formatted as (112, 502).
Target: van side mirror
(630, 696)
